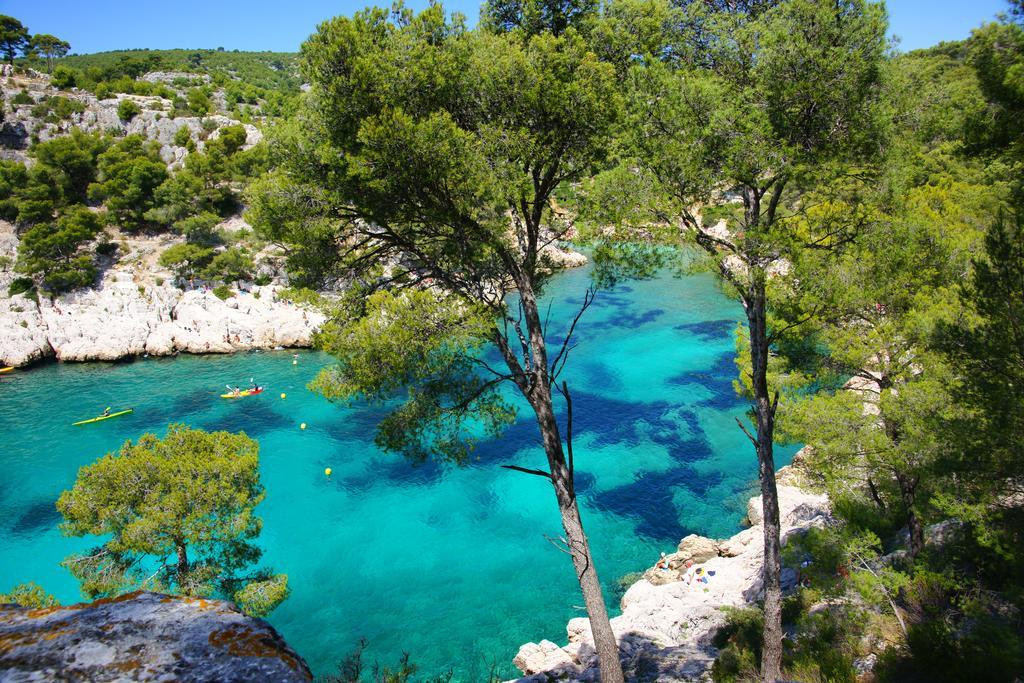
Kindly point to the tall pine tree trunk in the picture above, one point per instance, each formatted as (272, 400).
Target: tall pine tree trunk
(908, 496)
(764, 409)
(182, 564)
(540, 399)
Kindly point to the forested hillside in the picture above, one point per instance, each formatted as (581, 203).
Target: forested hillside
(268, 70)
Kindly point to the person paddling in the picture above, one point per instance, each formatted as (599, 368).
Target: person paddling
(106, 412)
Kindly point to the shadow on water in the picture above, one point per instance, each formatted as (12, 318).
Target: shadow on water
(717, 380)
(708, 330)
(628, 318)
(253, 417)
(650, 501)
(36, 517)
(178, 410)
(393, 471)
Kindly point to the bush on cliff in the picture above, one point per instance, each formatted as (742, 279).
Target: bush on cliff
(127, 110)
(230, 265)
(129, 172)
(52, 251)
(186, 260)
(28, 595)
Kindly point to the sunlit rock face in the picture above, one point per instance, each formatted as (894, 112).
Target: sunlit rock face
(143, 637)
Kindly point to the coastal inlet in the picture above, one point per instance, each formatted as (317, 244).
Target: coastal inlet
(447, 563)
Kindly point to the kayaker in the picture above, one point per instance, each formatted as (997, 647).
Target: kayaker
(106, 411)
(236, 391)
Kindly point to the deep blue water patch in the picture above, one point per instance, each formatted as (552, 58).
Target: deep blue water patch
(35, 517)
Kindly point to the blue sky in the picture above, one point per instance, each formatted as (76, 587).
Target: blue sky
(282, 26)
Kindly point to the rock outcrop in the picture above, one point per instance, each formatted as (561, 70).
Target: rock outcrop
(667, 625)
(144, 637)
(153, 121)
(122, 318)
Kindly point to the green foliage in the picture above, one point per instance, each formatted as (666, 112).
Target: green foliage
(14, 37)
(13, 177)
(420, 345)
(533, 17)
(28, 595)
(739, 642)
(258, 73)
(182, 136)
(66, 166)
(129, 173)
(260, 597)
(954, 634)
(49, 47)
(20, 285)
(187, 260)
(184, 504)
(127, 110)
(200, 229)
(53, 251)
(199, 102)
(230, 139)
(223, 292)
(312, 243)
(230, 265)
(22, 97)
(64, 78)
(57, 108)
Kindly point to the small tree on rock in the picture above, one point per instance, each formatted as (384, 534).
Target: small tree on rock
(178, 515)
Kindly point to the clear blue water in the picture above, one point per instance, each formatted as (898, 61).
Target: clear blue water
(448, 563)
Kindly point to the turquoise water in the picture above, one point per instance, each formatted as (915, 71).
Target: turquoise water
(448, 563)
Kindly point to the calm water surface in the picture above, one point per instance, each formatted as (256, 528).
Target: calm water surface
(448, 563)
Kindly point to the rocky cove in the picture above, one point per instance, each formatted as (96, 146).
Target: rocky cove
(668, 622)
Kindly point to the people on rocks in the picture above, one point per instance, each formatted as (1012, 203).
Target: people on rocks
(662, 563)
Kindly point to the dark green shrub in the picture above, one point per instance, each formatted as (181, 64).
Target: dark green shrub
(20, 286)
(182, 136)
(127, 110)
(186, 259)
(22, 98)
(223, 292)
(739, 644)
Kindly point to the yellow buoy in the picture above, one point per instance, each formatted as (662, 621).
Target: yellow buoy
(284, 395)
(328, 471)
(302, 426)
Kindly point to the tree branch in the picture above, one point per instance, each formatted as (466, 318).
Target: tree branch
(526, 470)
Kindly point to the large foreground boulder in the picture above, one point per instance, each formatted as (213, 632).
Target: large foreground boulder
(144, 637)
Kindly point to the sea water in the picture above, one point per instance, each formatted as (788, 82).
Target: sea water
(451, 564)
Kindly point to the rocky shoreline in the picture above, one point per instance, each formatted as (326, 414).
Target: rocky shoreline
(122, 318)
(667, 625)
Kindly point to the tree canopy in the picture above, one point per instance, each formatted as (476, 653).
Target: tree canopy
(178, 515)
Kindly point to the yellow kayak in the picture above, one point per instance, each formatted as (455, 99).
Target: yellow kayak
(3, 370)
(101, 418)
(247, 392)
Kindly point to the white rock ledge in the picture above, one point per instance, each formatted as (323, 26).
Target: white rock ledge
(121, 319)
(665, 631)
